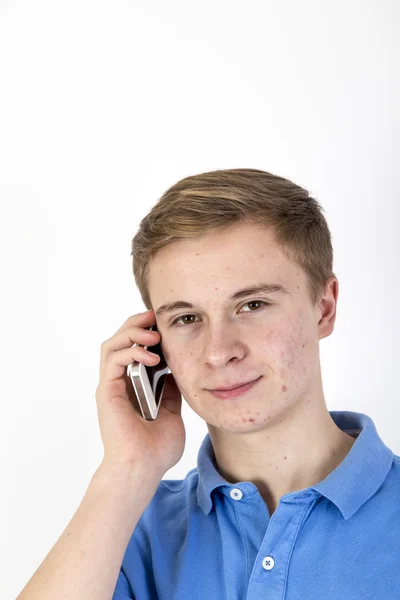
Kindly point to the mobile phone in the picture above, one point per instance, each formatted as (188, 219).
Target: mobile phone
(149, 381)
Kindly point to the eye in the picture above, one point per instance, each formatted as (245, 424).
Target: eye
(263, 307)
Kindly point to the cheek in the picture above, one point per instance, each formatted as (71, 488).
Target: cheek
(289, 348)
(180, 363)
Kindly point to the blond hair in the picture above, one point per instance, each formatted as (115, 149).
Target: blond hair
(219, 199)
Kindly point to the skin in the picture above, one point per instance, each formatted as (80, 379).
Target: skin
(279, 435)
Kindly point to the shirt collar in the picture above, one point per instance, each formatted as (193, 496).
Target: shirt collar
(349, 486)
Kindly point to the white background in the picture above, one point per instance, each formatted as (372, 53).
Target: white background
(103, 106)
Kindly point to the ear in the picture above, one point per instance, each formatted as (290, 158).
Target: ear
(327, 308)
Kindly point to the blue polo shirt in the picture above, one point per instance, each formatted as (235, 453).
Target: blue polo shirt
(203, 538)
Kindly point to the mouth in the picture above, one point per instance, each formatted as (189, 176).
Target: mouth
(234, 387)
(236, 391)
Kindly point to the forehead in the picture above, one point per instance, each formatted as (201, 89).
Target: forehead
(224, 259)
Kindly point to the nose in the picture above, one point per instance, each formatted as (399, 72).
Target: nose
(223, 345)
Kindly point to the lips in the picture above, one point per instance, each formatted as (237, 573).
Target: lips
(233, 386)
(235, 393)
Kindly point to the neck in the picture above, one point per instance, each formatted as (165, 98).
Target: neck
(294, 451)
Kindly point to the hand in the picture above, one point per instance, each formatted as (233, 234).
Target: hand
(127, 437)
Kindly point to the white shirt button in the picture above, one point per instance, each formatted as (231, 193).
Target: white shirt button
(268, 563)
(236, 494)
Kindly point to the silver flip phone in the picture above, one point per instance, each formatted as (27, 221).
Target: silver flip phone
(148, 381)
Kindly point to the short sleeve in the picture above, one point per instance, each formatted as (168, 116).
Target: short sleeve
(123, 590)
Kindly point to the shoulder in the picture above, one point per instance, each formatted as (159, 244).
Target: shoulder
(173, 503)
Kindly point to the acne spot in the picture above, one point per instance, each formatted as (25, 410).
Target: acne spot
(252, 420)
(258, 413)
(284, 388)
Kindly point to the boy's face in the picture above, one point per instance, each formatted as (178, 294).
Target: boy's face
(221, 342)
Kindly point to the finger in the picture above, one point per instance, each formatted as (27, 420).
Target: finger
(129, 337)
(142, 319)
(117, 363)
(126, 338)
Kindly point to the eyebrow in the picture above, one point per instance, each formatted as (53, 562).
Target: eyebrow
(269, 288)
